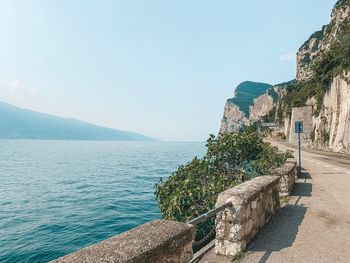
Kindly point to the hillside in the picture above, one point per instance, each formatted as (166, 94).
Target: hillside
(17, 123)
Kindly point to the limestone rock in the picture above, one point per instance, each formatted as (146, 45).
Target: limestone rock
(233, 119)
(261, 107)
(320, 41)
(332, 126)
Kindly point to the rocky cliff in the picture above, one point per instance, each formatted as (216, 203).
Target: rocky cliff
(324, 60)
(320, 41)
(263, 104)
(331, 128)
(233, 120)
(320, 95)
(236, 112)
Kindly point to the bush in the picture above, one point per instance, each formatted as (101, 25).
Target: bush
(230, 159)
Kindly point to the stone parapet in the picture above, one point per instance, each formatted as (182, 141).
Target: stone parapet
(253, 203)
(287, 173)
(163, 241)
(158, 241)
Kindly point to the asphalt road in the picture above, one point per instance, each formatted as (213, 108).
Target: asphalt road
(315, 225)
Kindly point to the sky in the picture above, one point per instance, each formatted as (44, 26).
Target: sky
(156, 67)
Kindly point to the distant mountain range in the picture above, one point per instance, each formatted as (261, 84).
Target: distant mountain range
(17, 123)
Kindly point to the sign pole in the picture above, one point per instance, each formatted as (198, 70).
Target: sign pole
(299, 128)
(299, 150)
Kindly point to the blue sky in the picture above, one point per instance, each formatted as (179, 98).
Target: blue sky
(161, 68)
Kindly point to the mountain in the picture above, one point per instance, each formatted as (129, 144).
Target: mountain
(17, 123)
(236, 112)
(246, 92)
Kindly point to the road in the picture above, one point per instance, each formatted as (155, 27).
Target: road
(315, 224)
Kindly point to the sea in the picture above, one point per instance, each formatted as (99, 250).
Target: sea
(59, 196)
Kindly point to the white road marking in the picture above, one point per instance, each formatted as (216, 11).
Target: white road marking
(318, 163)
(327, 166)
(337, 169)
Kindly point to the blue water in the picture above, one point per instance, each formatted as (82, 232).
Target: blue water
(59, 196)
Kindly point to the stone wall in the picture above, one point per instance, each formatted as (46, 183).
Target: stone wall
(303, 114)
(287, 173)
(159, 241)
(253, 203)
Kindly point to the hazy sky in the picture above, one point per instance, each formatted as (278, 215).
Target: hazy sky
(161, 68)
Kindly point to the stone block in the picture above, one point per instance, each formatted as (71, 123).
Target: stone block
(158, 241)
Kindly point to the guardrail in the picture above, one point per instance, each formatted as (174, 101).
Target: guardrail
(203, 218)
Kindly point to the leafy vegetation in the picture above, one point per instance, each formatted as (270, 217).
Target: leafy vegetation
(230, 159)
(270, 117)
(300, 92)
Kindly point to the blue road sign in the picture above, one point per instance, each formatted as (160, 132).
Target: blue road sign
(299, 127)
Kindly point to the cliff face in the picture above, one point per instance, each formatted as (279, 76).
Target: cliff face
(263, 104)
(236, 112)
(320, 95)
(233, 120)
(331, 129)
(259, 107)
(320, 41)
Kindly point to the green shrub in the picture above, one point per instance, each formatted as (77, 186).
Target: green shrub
(325, 136)
(230, 159)
(312, 135)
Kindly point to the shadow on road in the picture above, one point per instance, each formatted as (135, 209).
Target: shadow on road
(281, 230)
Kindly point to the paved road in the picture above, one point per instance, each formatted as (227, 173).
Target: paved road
(315, 224)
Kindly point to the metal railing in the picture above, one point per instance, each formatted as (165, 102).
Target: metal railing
(202, 218)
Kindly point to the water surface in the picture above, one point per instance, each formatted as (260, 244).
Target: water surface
(59, 196)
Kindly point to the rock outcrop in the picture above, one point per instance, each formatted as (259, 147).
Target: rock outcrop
(236, 112)
(263, 104)
(261, 107)
(331, 129)
(233, 120)
(320, 41)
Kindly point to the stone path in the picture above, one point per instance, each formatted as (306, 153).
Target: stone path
(315, 224)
